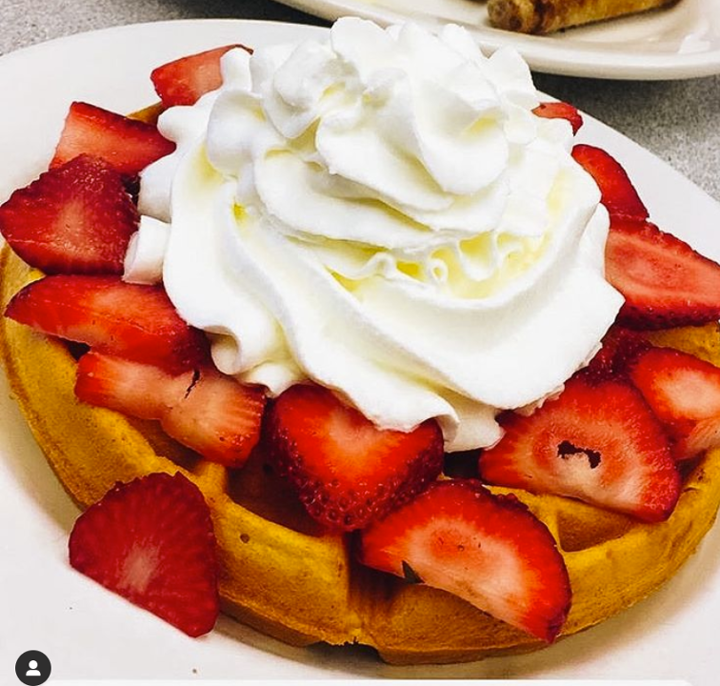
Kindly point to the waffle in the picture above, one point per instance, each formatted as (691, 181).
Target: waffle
(280, 574)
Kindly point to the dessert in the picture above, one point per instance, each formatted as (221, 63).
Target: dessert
(297, 577)
(543, 16)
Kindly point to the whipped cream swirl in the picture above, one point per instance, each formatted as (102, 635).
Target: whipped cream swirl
(381, 212)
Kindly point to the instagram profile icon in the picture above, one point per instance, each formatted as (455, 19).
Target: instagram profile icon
(33, 668)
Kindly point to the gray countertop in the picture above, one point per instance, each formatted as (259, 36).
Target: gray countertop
(677, 120)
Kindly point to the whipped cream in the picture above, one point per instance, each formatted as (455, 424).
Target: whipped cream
(146, 252)
(380, 211)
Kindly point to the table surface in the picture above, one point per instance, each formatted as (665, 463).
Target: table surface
(677, 120)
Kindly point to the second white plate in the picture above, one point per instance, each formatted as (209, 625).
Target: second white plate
(675, 43)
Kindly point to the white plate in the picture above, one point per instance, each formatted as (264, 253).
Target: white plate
(90, 633)
(675, 43)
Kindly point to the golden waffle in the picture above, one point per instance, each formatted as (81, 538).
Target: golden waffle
(280, 574)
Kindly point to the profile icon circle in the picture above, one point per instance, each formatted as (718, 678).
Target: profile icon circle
(33, 668)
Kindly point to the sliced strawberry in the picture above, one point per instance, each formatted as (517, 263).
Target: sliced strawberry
(77, 218)
(489, 550)
(152, 542)
(130, 320)
(348, 471)
(617, 192)
(219, 418)
(598, 442)
(684, 393)
(560, 110)
(127, 144)
(620, 348)
(203, 409)
(134, 388)
(185, 80)
(664, 281)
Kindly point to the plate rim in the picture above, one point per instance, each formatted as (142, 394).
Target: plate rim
(540, 53)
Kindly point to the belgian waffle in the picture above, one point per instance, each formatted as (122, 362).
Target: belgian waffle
(282, 575)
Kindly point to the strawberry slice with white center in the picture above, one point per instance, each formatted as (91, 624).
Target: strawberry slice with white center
(152, 542)
(128, 145)
(684, 393)
(560, 110)
(185, 80)
(617, 192)
(134, 388)
(75, 219)
(348, 471)
(130, 320)
(489, 550)
(598, 442)
(219, 418)
(664, 281)
(203, 409)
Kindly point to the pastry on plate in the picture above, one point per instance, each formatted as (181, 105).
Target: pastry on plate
(547, 16)
(432, 380)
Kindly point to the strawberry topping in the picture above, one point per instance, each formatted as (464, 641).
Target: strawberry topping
(185, 80)
(598, 442)
(348, 471)
(130, 320)
(684, 393)
(134, 388)
(218, 417)
(664, 281)
(489, 550)
(560, 110)
(77, 218)
(620, 348)
(151, 541)
(127, 144)
(203, 409)
(617, 192)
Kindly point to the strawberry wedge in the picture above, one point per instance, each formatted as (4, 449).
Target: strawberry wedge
(560, 110)
(74, 219)
(130, 320)
(684, 393)
(185, 80)
(126, 144)
(598, 442)
(203, 409)
(487, 549)
(152, 542)
(347, 471)
(620, 347)
(617, 192)
(664, 281)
